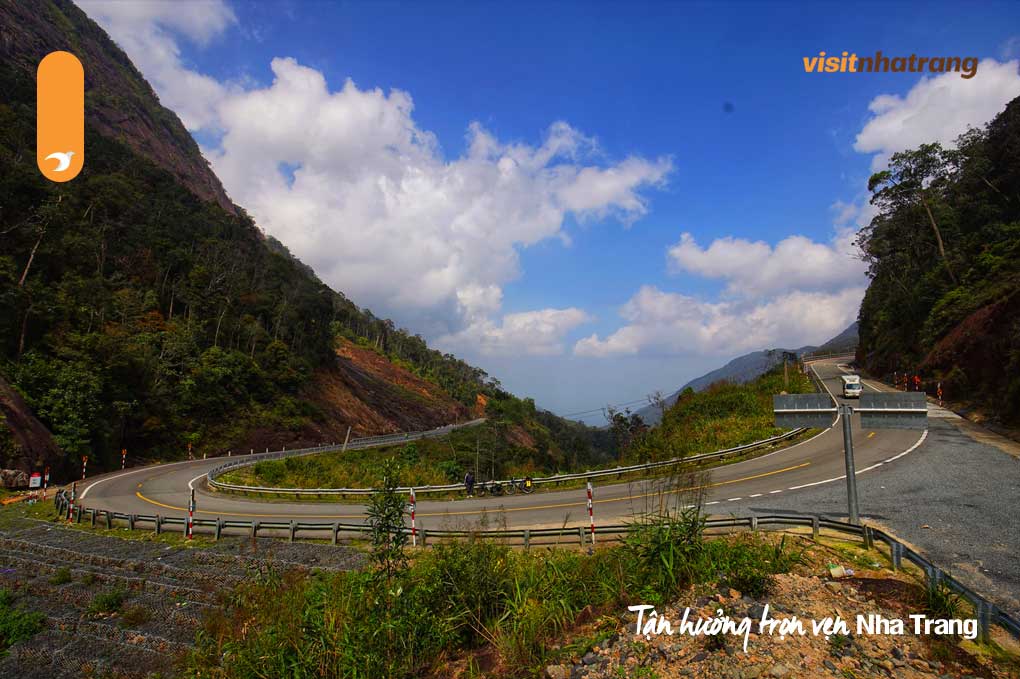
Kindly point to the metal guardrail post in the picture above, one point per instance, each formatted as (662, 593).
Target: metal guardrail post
(159, 524)
(254, 528)
(92, 517)
(336, 531)
(131, 521)
(869, 542)
(753, 522)
(527, 538)
(423, 536)
(851, 474)
(897, 555)
(580, 535)
(293, 529)
(985, 613)
(815, 521)
(109, 520)
(219, 528)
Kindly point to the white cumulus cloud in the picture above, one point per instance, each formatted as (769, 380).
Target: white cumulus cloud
(535, 333)
(938, 108)
(347, 179)
(756, 269)
(667, 323)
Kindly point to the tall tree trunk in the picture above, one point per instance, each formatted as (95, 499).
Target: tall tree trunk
(938, 239)
(31, 258)
(24, 330)
(216, 337)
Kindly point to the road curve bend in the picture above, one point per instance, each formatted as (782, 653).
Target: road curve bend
(164, 489)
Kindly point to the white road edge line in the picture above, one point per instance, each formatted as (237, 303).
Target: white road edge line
(147, 468)
(917, 443)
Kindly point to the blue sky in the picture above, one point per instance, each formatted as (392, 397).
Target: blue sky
(682, 118)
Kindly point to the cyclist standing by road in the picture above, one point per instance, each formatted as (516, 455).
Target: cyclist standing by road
(469, 483)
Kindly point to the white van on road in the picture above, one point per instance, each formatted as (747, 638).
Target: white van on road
(852, 386)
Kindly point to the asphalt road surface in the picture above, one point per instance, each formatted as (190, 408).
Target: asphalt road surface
(788, 473)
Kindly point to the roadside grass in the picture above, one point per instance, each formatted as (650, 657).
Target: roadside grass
(459, 597)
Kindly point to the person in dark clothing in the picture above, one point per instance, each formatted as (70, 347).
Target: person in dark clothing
(469, 483)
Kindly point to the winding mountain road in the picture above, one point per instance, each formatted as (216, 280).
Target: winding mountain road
(164, 489)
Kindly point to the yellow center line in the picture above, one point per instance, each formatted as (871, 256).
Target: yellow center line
(872, 434)
(478, 511)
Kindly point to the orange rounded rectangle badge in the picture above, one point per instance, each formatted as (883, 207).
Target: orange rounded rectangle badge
(60, 116)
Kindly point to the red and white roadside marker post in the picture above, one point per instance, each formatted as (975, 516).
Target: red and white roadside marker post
(84, 464)
(190, 454)
(414, 529)
(591, 515)
(45, 481)
(190, 531)
(940, 394)
(70, 505)
(123, 458)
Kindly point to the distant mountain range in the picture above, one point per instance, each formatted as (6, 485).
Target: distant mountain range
(749, 366)
(845, 341)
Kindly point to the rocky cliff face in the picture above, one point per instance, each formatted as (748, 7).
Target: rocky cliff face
(25, 443)
(119, 103)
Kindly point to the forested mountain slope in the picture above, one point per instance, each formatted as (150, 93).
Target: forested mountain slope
(944, 255)
(140, 309)
(737, 371)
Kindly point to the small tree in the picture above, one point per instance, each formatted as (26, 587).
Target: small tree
(386, 518)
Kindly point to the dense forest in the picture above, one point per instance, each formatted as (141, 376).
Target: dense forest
(944, 256)
(139, 311)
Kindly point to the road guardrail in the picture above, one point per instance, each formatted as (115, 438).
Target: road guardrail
(211, 477)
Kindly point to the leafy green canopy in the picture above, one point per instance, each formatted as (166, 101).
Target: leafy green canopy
(944, 259)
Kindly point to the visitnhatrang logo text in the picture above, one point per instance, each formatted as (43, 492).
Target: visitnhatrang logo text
(879, 63)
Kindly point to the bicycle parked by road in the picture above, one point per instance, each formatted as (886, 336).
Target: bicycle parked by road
(493, 488)
(523, 486)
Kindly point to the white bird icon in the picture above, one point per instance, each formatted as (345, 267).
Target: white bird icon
(63, 160)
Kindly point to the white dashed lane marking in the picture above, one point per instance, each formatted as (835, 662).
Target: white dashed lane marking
(919, 441)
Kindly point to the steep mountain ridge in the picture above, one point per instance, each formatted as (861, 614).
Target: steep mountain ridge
(119, 102)
(140, 309)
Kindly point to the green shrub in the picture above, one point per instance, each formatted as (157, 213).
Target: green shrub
(134, 616)
(385, 513)
(107, 602)
(16, 624)
(666, 554)
(940, 601)
(61, 577)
